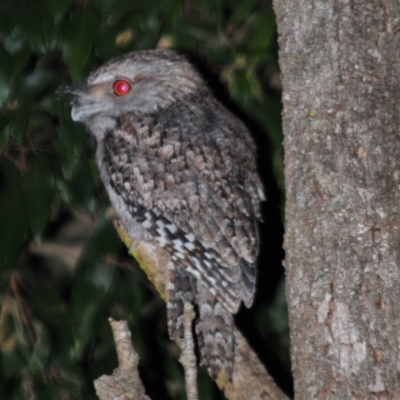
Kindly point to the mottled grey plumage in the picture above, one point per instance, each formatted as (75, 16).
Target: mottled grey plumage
(180, 171)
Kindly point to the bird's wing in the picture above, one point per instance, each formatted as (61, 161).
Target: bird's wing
(197, 186)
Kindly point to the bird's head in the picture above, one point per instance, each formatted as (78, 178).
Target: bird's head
(140, 82)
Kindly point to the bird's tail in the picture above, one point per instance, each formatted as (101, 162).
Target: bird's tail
(215, 335)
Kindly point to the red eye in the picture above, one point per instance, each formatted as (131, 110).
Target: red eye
(121, 87)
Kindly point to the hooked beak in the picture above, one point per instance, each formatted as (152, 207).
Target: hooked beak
(82, 102)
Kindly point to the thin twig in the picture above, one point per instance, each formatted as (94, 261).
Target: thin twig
(188, 357)
(124, 383)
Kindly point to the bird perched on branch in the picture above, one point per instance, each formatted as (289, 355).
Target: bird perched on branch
(180, 172)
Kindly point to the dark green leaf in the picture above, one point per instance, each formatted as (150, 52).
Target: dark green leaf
(41, 32)
(5, 74)
(70, 143)
(38, 186)
(4, 131)
(41, 351)
(262, 31)
(33, 85)
(58, 7)
(13, 218)
(16, 128)
(78, 42)
(13, 16)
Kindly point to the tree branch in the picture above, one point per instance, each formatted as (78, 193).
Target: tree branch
(124, 383)
(188, 357)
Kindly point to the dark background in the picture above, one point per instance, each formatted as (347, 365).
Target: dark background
(63, 269)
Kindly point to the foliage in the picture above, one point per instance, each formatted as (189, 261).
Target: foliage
(63, 269)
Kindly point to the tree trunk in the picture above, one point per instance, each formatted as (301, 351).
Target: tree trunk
(340, 64)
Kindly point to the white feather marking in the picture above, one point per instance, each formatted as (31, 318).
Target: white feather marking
(172, 228)
(162, 240)
(197, 262)
(147, 224)
(190, 237)
(212, 280)
(160, 224)
(194, 272)
(189, 246)
(178, 245)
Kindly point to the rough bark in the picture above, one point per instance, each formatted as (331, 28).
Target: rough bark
(340, 64)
